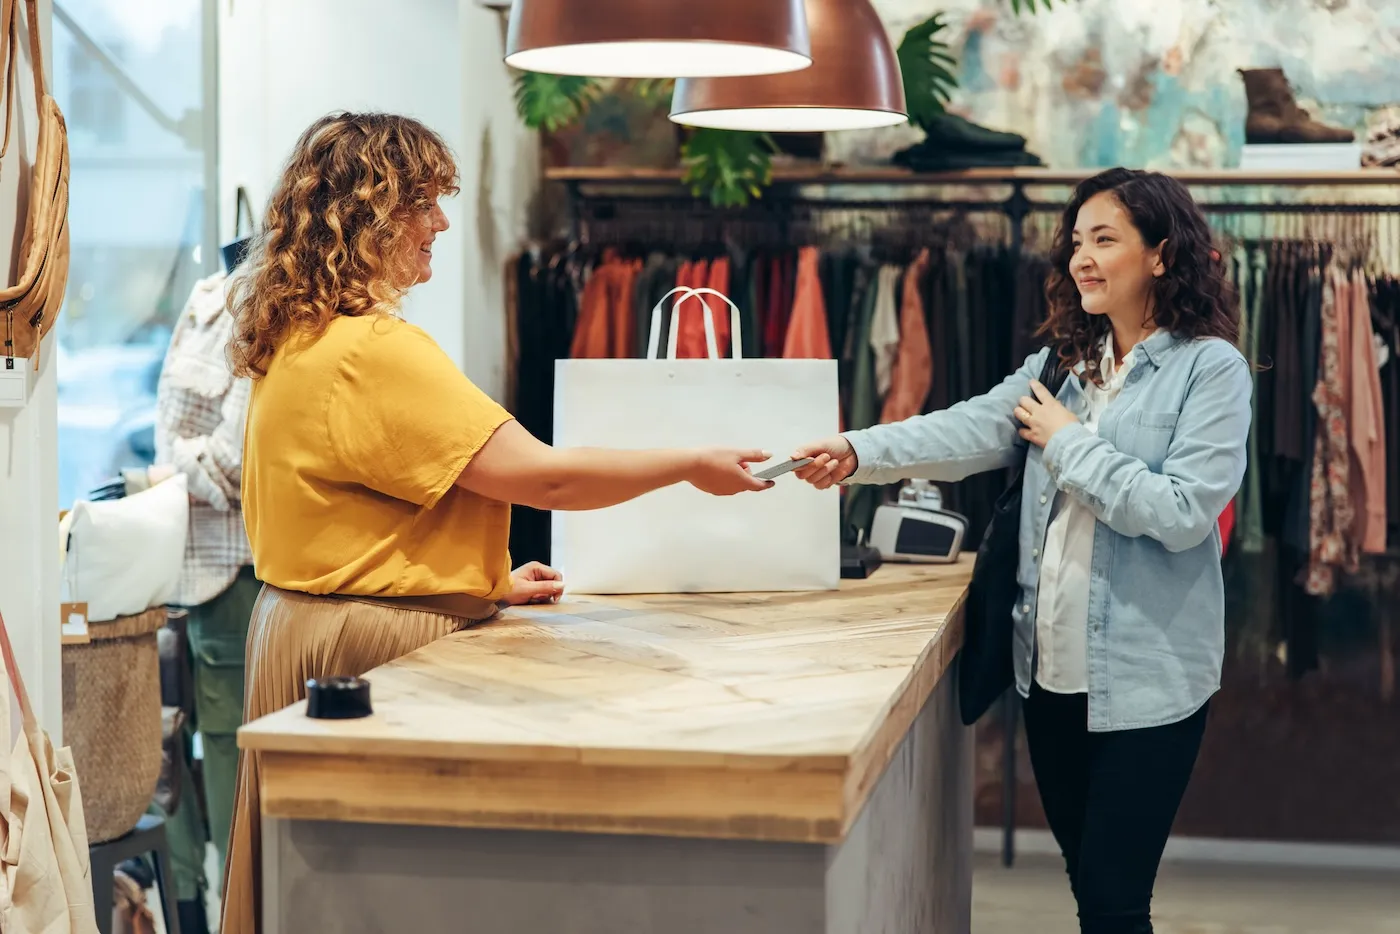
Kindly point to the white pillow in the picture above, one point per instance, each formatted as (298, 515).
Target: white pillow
(125, 555)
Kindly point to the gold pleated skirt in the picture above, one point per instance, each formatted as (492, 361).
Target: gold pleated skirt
(294, 637)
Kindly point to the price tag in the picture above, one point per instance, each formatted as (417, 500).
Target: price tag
(75, 623)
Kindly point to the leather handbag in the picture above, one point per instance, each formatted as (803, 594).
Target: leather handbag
(985, 666)
(29, 307)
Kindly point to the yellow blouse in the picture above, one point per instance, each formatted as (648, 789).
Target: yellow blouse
(354, 443)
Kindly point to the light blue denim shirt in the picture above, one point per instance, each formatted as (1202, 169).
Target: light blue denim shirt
(1168, 457)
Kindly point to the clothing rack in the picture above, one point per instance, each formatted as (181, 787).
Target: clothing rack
(604, 195)
(616, 201)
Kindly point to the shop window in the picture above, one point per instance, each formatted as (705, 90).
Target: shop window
(96, 105)
(136, 90)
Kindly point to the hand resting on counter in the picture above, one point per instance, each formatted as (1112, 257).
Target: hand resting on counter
(534, 583)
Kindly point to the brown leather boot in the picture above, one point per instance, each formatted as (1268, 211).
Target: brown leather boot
(1275, 117)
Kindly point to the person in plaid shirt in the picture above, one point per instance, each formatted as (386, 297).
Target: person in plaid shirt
(201, 409)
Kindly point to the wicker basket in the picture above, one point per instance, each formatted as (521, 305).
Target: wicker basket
(111, 720)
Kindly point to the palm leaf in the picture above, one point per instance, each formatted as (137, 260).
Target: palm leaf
(730, 166)
(550, 102)
(927, 64)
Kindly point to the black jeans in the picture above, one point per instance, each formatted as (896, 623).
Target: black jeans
(1110, 799)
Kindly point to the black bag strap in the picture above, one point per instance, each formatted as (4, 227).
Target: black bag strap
(242, 208)
(1052, 377)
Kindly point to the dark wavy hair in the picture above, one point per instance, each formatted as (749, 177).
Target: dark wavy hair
(1193, 298)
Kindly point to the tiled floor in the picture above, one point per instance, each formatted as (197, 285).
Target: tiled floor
(1033, 896)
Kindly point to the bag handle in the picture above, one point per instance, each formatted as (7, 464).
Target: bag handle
(1052, 375)
(7, 13)
(10, 54)
(16, 679)
(711, 343)
(31, 733)
(711, 340)
(242, 208)
(654, 340)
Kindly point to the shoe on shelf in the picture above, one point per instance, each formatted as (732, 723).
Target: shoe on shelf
(1274, 114)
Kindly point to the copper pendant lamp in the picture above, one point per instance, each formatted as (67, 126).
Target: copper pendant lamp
(658, 38)
(854, 82)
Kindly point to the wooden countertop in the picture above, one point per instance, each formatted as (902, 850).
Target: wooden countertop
(756, 716)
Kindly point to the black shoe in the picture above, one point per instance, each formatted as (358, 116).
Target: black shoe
(955, 133)
(930, 156)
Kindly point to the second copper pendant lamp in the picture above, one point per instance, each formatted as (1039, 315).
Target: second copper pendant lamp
(658, 38)
(854, 82)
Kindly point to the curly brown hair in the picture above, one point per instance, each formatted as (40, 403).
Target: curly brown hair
(335, 237)
(1193, 298)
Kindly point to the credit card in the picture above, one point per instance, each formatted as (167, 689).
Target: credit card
(786, 466)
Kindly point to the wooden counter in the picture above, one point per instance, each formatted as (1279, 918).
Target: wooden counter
(758, 717)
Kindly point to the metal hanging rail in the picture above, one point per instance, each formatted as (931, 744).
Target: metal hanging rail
(889, 175)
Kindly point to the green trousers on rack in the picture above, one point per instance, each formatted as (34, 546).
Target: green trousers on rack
(218, 632)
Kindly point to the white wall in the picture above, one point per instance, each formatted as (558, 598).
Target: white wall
(29, 585)
(283, 63)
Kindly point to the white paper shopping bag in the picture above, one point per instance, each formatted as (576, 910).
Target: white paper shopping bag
(678, 539)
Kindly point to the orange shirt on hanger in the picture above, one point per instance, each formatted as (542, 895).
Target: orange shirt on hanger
(912, 376)
(690, 336)
(807, 336)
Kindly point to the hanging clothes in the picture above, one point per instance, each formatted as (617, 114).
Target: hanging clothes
(690, 334)
(605, 328)
(858, 508)
(1252, 268)
(884, 328)
(837, 272)
(547, 300)
(1331, 506)
(912, 374)
(658, 276)
(1385, 318)
(1308, 274)
(935, 289)
(807, 336)
(512, 309)
(719, 281)
(1367, 422)
(743, 281)
(1030, 306)
(780, 287)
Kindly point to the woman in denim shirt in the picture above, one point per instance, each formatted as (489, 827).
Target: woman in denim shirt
(1120, 625)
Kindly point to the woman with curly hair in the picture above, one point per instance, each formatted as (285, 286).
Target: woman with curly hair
(377, 480)
(1120, 629)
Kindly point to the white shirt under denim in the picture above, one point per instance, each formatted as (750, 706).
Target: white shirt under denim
(1168, 456)
(1062, 610)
